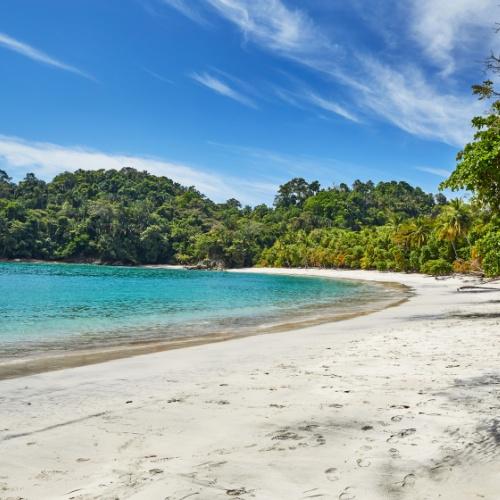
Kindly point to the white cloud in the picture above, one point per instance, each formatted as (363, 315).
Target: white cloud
(303, 97)
(185, 8)
(399, 93)
(222, 88)
(47, 159)
(407, 100)
(157, 76)
(331, 106)
(39, 56)
(440, 172)
(272, 25)
(442, 27)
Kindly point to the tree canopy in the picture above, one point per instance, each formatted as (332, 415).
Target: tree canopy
(478, 168)
(131, 217)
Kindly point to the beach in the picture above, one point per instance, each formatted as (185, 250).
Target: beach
(401, 403)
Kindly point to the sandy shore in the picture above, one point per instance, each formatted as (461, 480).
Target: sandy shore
(402, 403)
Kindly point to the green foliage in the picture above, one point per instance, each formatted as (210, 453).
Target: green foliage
(430, 244)
(489, 247)
(295, 192)
(133, 217)
(368, 204)
(453, 223)
(478, 167)
(438, 267)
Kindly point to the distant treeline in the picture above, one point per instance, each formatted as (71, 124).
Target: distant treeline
(133, 217)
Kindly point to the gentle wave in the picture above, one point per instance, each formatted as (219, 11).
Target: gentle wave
(47, 309)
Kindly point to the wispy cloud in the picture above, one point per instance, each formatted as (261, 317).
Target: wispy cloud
(331, 106)
(19, 156)
(157, 76)
(222, 88)
(405, 98)
(271, 24)
(303, 97)
(268, 23)
(441, 28)
(37, 55)
(185, 7)
(440, 172)
(401, 96)
(399, 93)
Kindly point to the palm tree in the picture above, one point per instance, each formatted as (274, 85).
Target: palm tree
(454, 223)
(413, 234)
(421, 232)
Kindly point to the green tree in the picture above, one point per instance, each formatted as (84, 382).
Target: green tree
(295, 192)
(454, 223)
(6, 185)
(32, 192)
(478, 167)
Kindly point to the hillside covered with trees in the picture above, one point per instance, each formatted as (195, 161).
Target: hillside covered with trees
(133, 217)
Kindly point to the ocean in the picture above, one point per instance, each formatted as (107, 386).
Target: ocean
(49, 308)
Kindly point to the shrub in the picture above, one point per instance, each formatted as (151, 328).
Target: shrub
(381, 265)
(437, 267)
(414, 260)
(461, 266)
(489, 250)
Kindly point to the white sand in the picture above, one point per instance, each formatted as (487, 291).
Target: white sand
(402, 403)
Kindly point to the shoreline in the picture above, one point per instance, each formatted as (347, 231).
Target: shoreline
(64, 359)
(401, 403)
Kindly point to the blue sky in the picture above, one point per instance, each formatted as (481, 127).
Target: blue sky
(238, 96)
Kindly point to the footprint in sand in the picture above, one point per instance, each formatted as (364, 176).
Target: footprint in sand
(285, 435)
(331, 474)
(320, 440)
(347, 494)
(402, 434)
(155, 471)
(47, 474)
(408, 481)
(363, 462)
(236, 492)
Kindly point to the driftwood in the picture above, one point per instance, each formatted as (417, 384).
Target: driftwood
(476, 289)
(482, 287)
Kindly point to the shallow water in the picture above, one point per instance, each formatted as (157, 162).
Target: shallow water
(49, 308)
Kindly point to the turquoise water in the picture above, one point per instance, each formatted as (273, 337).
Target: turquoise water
(53, 307)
